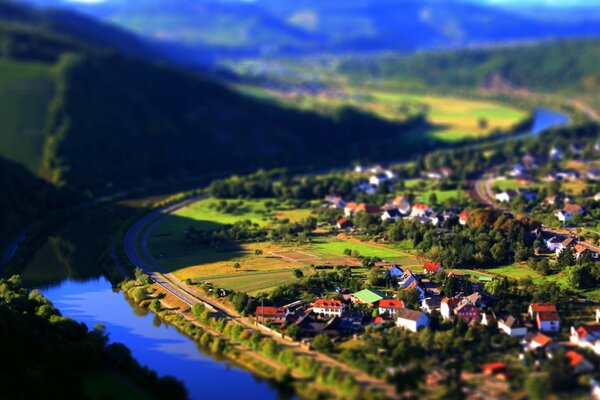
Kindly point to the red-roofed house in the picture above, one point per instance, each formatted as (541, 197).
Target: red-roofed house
(578, 362)
(547, 321)
(343, 223)
(390, 306)
(350, 208)
(497, 369)
(277, 315)
(534, 308)
(463, 217)
(328, 307)
(568, 211)
(368, 208)
(432, 267)
(420, 210)
(536, 340)
(447, 306)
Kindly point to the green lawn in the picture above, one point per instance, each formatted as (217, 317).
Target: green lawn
(513, 271)
(26, 90)
(442, 195)
(327, 247)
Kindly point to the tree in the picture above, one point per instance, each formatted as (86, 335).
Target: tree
(298, 273)
(537, 387)
(411, 298)
(323, 343)
(293, 331)
(483, 123)
(258, 252)
(237, 266)
(565, 259)
(141, 277)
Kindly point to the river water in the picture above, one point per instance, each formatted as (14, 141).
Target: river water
(80, 294)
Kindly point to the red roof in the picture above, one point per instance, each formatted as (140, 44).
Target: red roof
(324, 303)
(343, 221)
(541, 339)
(573, 208)
(451, 301)
(270, 311)
(539, 307)
(378, 320)
(421, 206)
(391, 303)
(574, 358)
(494, 367)
(432, 267)
(548, 316)
(583, 330)
(464, 215)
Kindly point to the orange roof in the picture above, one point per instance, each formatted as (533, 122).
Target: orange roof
(464, 215)
(494, 366)
(539, 307)
(270, 311)
(574, 358)
(378, 320)
(580, 248)
(399, 199)
(343, 221)
(324, 303)
(351, 206)
(573, 208)
(421, 206)
(412, 285)
(391, 303)
(541, 339)
(451, 301)
(432, 266)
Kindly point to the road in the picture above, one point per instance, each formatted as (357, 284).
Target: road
(140, 256)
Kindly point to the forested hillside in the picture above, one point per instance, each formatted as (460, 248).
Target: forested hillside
(568, 64)
(115, 120)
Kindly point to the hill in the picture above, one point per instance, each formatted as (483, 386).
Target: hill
(568, 65)
(264, 27)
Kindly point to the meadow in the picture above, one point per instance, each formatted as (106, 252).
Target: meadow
(26, 89)
(453, 119)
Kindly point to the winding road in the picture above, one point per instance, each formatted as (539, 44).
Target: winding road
(136, 250)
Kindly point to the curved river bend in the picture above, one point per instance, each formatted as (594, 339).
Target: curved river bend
(161, 347)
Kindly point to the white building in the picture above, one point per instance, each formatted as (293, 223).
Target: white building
(328, 307)
(411, 320)
(511, 326)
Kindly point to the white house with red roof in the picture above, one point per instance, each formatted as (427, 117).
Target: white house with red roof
(587, 337)
(328, 307)
(276, 315)
(535, 341)
(390, 306)
(463, 217)
(447, 306)
(420, 210)
(534, 308)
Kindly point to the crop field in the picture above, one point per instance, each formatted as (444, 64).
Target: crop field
(516, 271)
(453, 118)
(332, 247)
(26, 90)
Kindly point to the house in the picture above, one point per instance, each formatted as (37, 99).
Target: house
(565, 244)
(311, 325)
(553, 200)
(534, 308)
(553, 243)
(365, 187)
(595, 392)
(597, 197)
(479, 299)
(586, 337)
(487, 318)
(463, 217)
(275, 315)
(598, 315)
(416, 286)
(343, 223)
(395, 271)
(579, 363)
(378, 179)
(556, 154)
(512, 326)
(534, 341)
(447, 306)
(328, 307)
(407, 279)
(420, 210)
(391, 214)
(367, 296)
(568, 211)
(432, 267)
(399, 202)
(335, 201)
(528, 195)
(497, 369)
(434, 218)
(367, 208)
(467, 311)
(517, 170)
(350, 208)
(506, 196)
(547, 321)
(429, 304)
(390, 306)
(411, 320)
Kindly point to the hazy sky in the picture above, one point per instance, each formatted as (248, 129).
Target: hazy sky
(516, 3)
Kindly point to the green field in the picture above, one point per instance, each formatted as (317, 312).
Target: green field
(328, 247)
(442, 195)
(514, 271)
(26, 90)
(453, 118)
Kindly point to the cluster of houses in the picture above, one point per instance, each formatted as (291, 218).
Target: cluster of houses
(557, 243)
(395, 209)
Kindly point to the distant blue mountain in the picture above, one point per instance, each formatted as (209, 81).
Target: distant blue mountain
(303, 26)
